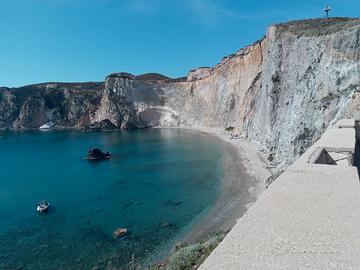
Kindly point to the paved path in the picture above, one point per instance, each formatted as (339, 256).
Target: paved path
(309, 218)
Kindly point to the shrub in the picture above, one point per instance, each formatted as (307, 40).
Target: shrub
(191, 256)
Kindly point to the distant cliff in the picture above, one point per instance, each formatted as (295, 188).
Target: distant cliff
(282, 91)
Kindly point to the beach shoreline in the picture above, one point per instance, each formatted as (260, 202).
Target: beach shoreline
(239, 190)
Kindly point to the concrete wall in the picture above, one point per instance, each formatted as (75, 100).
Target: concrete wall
(308, 218)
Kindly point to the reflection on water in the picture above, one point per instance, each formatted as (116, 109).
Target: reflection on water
(158, 183)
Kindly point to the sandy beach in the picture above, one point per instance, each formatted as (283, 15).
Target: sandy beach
(240, 188)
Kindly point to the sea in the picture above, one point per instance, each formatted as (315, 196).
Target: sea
(159, 184)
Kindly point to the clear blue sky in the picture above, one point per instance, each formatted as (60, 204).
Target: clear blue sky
(85, 40)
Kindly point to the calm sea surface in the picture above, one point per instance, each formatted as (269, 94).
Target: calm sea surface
(159, 184)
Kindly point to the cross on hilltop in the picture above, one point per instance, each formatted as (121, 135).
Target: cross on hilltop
(327, 9)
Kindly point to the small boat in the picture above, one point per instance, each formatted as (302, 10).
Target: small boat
(120, 232)
(97, 154)
(43, 207)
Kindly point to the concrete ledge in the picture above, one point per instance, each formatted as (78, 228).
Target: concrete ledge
(345, 123)
(307, 219)
(338, 139)
(333, 140)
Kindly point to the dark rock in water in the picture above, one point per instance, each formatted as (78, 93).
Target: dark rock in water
(102, 125)
(97, 154)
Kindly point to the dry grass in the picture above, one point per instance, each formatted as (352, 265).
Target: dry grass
(317, 27)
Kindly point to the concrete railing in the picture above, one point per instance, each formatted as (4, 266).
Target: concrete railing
(309, 218)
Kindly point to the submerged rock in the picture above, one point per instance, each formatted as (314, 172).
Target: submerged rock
(165, 225)
(120, 232)
(172, 203)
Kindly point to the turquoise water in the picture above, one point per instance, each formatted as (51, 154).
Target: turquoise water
(155, 177)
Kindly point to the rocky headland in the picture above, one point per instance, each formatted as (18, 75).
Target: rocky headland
(282, 91)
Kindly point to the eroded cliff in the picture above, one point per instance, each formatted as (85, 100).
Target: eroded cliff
(282, 91)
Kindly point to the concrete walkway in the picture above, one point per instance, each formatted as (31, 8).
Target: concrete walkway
(309, 218)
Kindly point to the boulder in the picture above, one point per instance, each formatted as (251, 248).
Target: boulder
(120, 232)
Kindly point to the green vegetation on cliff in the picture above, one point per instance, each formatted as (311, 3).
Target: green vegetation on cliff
(187, 257)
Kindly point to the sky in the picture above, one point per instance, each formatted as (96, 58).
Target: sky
(85, 40)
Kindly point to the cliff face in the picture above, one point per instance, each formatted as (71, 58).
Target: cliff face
(308, 79)
(214, 97)
(67, 104)
(282, 91)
